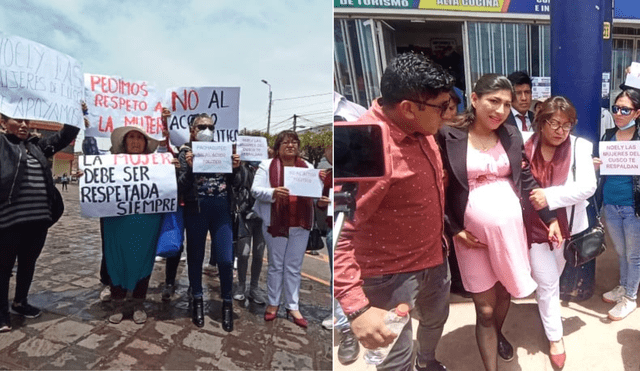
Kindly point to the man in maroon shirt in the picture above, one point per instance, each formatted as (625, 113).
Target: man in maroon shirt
(393, 250)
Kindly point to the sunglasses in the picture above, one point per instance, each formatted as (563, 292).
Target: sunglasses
(204, 127)
(625, 111)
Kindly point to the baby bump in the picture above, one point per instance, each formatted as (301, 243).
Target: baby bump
(492, 204)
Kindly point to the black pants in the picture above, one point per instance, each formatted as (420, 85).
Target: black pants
(104, 274)
(23, 241)
(171, 269)
(139, 292)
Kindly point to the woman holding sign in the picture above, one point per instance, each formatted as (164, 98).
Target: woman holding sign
(29, 205)
(130, 241)
(287, 221)
(621, 199)
(207, 198)
(562, 165)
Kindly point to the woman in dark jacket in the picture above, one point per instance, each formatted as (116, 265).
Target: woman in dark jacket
(207, 199)
(29, 205)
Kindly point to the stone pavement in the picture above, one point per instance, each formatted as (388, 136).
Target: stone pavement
(73, 331)
(592, 341)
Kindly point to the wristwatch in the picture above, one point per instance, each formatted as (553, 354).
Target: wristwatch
(356, 314)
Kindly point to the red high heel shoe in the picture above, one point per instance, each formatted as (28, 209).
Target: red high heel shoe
(271, 316)
(298, 321)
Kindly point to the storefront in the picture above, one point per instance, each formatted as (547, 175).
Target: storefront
(467, 37)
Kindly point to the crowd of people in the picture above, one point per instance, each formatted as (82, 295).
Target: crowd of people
(440, 200)
(249, 205)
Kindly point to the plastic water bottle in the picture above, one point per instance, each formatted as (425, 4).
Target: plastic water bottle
(395, 320)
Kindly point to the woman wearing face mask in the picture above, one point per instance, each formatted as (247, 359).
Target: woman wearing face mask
(487, 178)
(620, 195)
(27, 207)
(208, 208)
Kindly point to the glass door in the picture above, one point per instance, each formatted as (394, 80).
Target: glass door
(624, 51)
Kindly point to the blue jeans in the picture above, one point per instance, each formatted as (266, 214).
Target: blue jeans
(214, 217)
(624, 229)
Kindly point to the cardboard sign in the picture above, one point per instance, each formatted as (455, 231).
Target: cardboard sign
(253, 148)
(210, 157)
(222, 104)
(303, 181)
(39, 83)
(114, 102)
(115, 185)
(620, 158)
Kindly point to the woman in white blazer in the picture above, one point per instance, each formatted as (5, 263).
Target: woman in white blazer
(552, 154)
(287, 221)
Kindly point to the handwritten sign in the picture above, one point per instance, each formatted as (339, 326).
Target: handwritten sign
(114, 185)
(222, 104)
(39, 83)
(114, 102)
(620, 158)
(303, 181)
(253, 148)
(210, 157)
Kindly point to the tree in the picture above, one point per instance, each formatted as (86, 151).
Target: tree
(312, 145)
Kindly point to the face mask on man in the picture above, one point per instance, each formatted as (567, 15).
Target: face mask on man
(205, 135)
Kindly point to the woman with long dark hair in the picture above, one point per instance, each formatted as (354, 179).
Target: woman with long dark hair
(484, 162)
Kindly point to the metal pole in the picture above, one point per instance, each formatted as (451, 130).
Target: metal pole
(270, 101)
(294, 121)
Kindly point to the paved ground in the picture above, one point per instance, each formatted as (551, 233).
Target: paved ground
(592, 341)
(73, 332)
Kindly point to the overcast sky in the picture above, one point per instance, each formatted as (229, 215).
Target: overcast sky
(198, 43)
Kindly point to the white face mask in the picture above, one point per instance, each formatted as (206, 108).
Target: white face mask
(630, 124)
(205, 135)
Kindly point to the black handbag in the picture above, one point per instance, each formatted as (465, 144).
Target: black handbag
(588, 244)
(315, 240)
(57, 206)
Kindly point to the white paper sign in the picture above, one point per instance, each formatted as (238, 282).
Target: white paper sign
(620, 158)
(114, 185)
(114, 102)
(210, 157)
(633, 77)
(39, 83)
(253, 148)
(221, 103)
(541, 87)
(330, 207)
(303, 181)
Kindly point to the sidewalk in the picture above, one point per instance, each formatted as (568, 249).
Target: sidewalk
(73, 332)
(592, 341)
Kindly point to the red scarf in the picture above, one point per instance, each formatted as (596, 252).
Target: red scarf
(547, 174)
(291, 212)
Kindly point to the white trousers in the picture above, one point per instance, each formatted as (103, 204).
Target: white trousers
(285, 263)
(546, 269)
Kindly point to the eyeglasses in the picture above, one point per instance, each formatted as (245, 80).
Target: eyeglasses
(555, 125)
(442, 107)
(204, 127)
(624, 111)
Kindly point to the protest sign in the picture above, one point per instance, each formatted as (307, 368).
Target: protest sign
(253, 148)
(114, 102)
(210, 157)
(633, 77)
(114, 185)
(540, 88)
(620, 158)
(303, 181)
(222, 104)
(39, 83)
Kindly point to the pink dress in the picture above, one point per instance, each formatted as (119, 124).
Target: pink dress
(494, 216)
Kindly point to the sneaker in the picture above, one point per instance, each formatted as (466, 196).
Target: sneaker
(238, 293)
(257, 296)
(159, 258)
(168, 291)
(615, 295)
(431, 366)
(348, 348)
(105, 294)
(5, 322)
(118, 312)
(622, 309)
(328, 322)
(25, 309)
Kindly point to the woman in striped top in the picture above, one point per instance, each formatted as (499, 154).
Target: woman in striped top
(29, 205)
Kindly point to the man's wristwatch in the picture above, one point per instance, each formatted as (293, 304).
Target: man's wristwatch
(356, 314)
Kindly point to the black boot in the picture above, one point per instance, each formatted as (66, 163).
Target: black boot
(227, 316)
(198, 312)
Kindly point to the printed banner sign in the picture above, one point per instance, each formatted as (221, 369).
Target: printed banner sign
(114, 102)
(39, 83)
(495, 6)
(222, 104)
(114, 185)
(210, 157)
(253, 148)
(620, 158)
(541, 87)
(303, 181)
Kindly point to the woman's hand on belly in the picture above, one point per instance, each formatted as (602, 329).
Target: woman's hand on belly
(471, 240)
